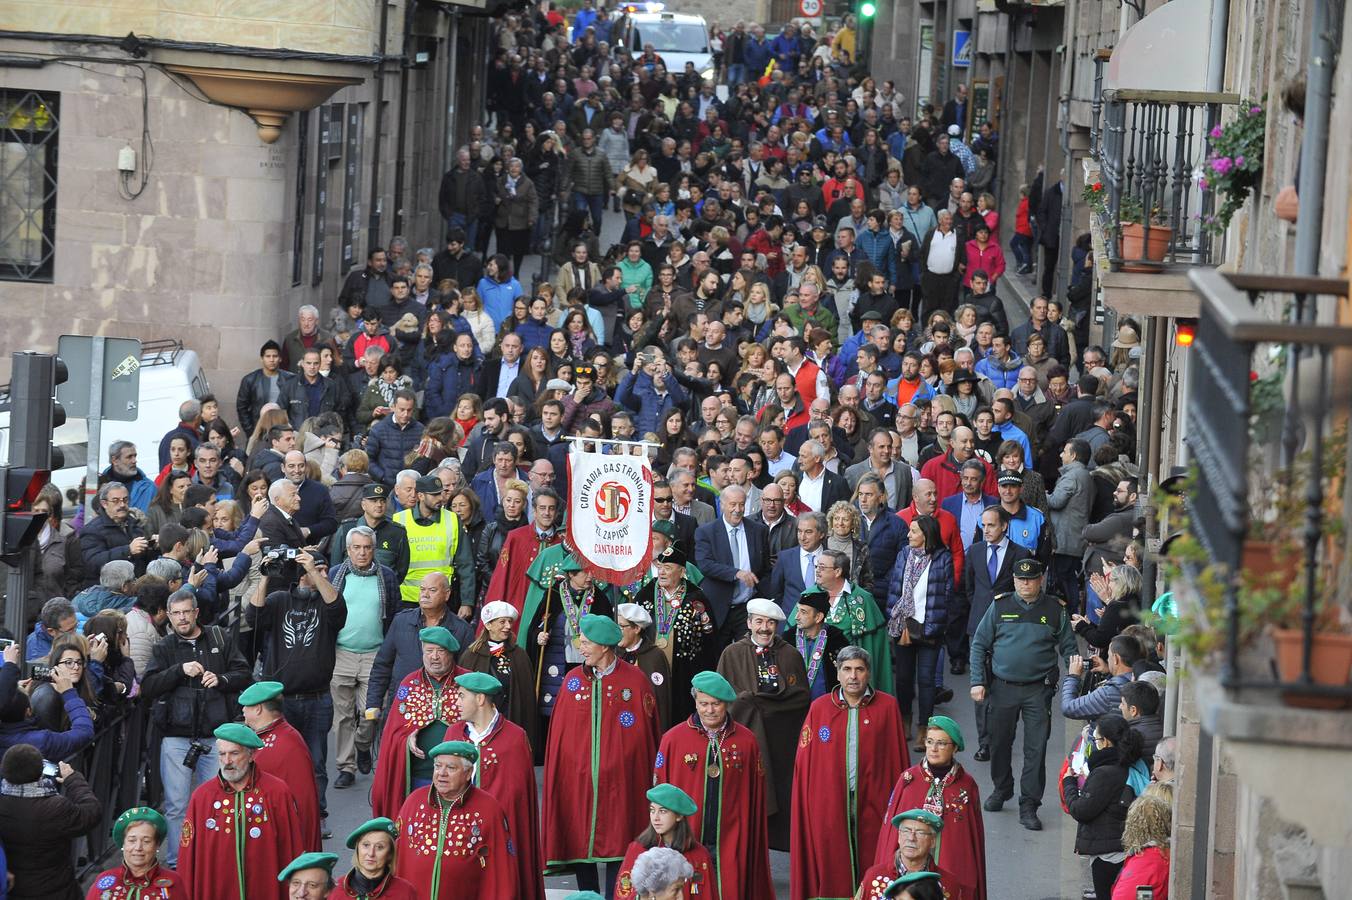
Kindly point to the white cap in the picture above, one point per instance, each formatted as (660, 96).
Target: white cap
(759, 606)
(954, 130)
(635, 614)
(497, 610)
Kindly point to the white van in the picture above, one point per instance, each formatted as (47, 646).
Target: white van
(170, 374)
(676, 37)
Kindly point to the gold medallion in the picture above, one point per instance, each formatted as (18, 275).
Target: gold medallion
(577, 642)
(713, 771)
(662, 643)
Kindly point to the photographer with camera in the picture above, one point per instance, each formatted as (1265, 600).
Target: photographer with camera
(44, 807)
(191, 682)
(296, 614)
(18, 724)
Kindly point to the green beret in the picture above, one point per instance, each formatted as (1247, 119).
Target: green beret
(665, 527)
(260, 692)
(441, 637)
(673, 798)
(462, 749)
(381, 824)
(236, 733)
(325, 861)
(919, 815)
(139, 814)
(584, 895)
(714, 685)
(946, 724)
(479, 683)
(570, 564)
(601, 630)
(895, 888)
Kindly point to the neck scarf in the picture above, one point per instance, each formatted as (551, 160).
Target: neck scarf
(916, 564)
(934, 796)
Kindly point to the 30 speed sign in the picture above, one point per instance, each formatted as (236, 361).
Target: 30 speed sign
(810, 8)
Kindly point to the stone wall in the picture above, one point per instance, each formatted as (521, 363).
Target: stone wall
(322, 26)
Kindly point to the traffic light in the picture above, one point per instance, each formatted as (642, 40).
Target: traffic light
(1185, 332)
(21, 527)
(867, 9)
(34, 412)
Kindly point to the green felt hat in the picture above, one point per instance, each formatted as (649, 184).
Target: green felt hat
(325, 861)
(479, 683)
(950, 727)
(665, 527)
(441, 637)
(600, 630)
(570, 564)
(236, 733)
(673, 798)
(895, 888)
(139, 814)
(714, 685)
(919, 815)
(380, 824)
(462, 749)
(584, 895)
(260, 692)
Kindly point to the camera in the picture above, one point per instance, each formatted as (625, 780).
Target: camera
(279, 563)
(195, 751)
(39, 671)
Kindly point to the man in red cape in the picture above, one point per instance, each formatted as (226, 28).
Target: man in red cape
(599, 758)
(940, 785)
(718, 763)
(506, 769)
(453, 837)
(519, 549)
(918, 835)
(140, 831)
(851, 749)
(425, 705)
(284, 754)
(241, 827)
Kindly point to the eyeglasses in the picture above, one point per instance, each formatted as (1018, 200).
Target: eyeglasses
(661, 499)
(930, 742)
(72, 663)
(916, 832)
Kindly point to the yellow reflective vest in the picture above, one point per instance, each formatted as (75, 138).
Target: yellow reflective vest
(431, 548)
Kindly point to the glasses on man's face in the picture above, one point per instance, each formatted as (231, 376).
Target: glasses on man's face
(916, 832)
(666, 499)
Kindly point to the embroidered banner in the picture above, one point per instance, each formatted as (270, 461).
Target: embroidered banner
(610, 512)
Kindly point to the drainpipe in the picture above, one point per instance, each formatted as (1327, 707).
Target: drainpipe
(373, 216)
(453, 60)
(1215, 63)
(405, 63)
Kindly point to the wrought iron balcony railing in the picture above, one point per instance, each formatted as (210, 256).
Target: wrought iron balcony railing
(1150, 148)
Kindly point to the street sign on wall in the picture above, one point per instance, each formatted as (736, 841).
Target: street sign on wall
(962, 49)
(119, 373)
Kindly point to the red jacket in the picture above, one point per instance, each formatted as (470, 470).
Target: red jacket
(949, 531)
(1021, 225)
(946, 473)
(1149, 867)
(992, 259)
(773, 251)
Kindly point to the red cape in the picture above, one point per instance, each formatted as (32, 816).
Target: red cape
(702, 887)
(392, 888)
(831, 845)
(519, 549)
(410, 712)
(158, 884)
(469, 855)
(743, 859)
(590, 812)
(262, 818)
(507, 771)
(285, 755)
(873, 886)
(962, 843)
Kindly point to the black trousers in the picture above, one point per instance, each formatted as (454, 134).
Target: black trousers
(1050, 255)
(1006, 703)
(1104, 873)
(588, 878)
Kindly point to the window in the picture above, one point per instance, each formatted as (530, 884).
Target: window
(352, 184)
(28, 143)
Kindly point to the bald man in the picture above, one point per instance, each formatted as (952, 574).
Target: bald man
(946, 470)
(316, 516)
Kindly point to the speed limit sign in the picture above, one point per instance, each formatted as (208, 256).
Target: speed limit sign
(810, 8)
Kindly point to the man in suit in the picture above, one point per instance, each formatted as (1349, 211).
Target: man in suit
(988, 572)
(882, 531)
(731, 571)
(683, 491)
(278, 525)
(896, 475)
(781, 528)
(316, 517)
(664, 511)
(966, 505)
(795, 569)
(818, 486)
(500, 371)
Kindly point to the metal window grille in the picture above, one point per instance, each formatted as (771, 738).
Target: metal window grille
(29, 131)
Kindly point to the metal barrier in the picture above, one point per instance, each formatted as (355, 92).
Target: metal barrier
(112, 766)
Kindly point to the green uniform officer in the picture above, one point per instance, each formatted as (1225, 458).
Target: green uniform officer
(391, 539)
(1017, 652)
(436, 543)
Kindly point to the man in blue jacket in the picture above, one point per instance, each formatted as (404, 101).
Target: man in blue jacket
(122, 469)
(883, 531)
(1123, 652)
(391, 439)
(649, 391)
(57, 617)
(756, 55)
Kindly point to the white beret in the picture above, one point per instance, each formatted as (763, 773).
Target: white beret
(496, 610)
(635, 614)
(759, 606)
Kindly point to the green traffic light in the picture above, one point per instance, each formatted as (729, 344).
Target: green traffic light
(867, 9)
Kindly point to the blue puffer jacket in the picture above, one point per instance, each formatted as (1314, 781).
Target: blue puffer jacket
(885, 540)
(637, 393)
(387, 444)
(938, 590)
(447, 379)
(91, 600)
(756, 55)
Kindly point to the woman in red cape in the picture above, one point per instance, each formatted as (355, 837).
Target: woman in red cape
(420, 700)
(668, 809)
(834, 830)
(372, 875)
(940, 785)
(140, 831)
(718, 761)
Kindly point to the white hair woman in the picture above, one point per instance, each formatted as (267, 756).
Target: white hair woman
(661, 874)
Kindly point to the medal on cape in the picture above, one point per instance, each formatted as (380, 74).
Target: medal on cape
(713, 771)
(662, 643)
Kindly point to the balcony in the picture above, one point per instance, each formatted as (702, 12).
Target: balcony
(1147, 147)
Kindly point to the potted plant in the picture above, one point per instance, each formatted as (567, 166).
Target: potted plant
(1143, 250)
(1234, 164)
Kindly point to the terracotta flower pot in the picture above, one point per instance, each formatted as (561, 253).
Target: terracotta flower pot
(1136, 247)
(1270, 563)
(1330, 664)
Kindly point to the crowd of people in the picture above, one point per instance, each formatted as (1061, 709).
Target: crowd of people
(865, 483)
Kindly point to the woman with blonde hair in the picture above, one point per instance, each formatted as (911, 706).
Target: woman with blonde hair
(271, 415)
(842, 535)
(759, 308)
(480, 322)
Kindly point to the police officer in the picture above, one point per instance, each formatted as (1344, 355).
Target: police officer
(437, 542)
(1016, 656)
(391, 539)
